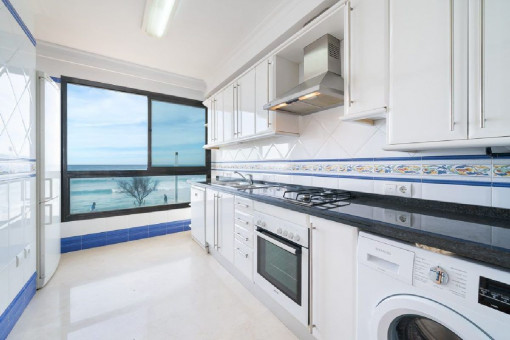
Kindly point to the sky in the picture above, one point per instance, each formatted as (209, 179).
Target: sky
(107, 127)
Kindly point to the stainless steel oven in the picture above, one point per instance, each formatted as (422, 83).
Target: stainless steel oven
(281, 263)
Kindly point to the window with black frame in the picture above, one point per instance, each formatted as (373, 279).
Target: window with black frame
(128, 151)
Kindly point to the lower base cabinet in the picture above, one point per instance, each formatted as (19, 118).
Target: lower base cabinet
(333, 257)
(219, 214)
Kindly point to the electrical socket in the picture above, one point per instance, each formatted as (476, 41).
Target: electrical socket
(403, 190)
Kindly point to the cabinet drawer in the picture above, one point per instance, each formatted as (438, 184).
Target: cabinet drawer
(243, 259)
(243, 204)
(244, 220)
(244, 236)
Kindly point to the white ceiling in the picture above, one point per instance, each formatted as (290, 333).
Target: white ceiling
(201, 36)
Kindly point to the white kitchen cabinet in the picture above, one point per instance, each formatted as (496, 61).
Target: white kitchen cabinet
(333, 289)
(220, 223)
(366, 58)
(489, 48)
(198, 214)
(210, 219)
(225, 208)
(428, 71)
(218, 115)
(263, 79)
(228, 113)
(210, 125)
(244, 120)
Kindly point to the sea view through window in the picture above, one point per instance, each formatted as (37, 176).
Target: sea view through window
(128, 151)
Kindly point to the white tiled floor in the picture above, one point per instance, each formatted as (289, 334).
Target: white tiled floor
(159, 288)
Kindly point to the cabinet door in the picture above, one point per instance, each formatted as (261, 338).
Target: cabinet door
(367, 45)
(226, 226)
(489, 68)
(209, 103)
(333, 280)
(210, 218)
(263, 77)
(228, 112)
(218, 115)
(428, 71)
(198, 214)
(246, 104)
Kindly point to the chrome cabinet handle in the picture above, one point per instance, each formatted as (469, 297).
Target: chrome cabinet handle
(239, 116)
(310, 281)
(348, 34)
(482, 66)
(268, 83)
(240, 252)
(243, 205)
(241, 220)
(452, 56)
(245, 238)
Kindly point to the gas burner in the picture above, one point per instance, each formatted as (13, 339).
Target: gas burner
(317, 197)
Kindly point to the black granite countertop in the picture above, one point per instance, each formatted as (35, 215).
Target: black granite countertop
(473, 232)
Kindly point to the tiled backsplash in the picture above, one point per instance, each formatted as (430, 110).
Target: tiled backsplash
(350, 156)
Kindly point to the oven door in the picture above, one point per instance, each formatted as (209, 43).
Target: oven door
(282, 271)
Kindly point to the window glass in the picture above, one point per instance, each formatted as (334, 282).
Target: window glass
(177, 135)
(106, 129)
(118, 193)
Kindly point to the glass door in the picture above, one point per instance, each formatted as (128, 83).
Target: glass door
(280, 262)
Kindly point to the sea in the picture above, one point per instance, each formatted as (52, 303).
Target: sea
(107, 195)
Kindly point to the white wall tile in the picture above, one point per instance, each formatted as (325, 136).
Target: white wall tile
(501, 197)
(464, 194)
(360, 185)
(325, 182)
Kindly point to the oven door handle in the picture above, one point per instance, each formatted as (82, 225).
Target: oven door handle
(276, 243)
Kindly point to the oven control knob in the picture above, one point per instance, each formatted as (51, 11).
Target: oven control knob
(279, 230)
(263, 224)
(285, 233)
(259, 222)
(438, 275)
(297, 238)
(291, 236)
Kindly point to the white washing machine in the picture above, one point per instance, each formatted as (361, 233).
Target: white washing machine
(405, 292)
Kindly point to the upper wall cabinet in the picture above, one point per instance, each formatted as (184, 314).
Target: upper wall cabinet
(244, 120)
(428, 64)
(366, 59)
(449, 74)
(489, 70)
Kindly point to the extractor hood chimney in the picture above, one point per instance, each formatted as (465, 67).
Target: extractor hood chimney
(323, 86)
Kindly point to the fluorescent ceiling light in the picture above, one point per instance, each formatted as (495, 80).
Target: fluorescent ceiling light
(156, 16)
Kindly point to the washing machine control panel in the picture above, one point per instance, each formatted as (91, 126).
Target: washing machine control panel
(431, 274)
(494, 294)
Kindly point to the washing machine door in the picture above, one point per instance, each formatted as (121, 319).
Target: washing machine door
(406, 317)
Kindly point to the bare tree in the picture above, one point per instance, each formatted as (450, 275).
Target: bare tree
(138, 188)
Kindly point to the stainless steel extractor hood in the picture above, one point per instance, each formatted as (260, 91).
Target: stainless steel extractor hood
(323, 86)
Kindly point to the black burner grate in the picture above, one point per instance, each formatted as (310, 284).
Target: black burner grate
(317, 197)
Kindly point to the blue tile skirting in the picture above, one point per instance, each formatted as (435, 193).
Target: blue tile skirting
(20, 22)
(13, 312)
(94, 240)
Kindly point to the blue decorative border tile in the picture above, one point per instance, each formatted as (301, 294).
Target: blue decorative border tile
(459, 169)
(13, 312)
(75, 243)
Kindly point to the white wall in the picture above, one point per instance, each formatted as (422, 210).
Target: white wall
(97, 225)
(17, 154)
(358, 162)
(59, 61)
